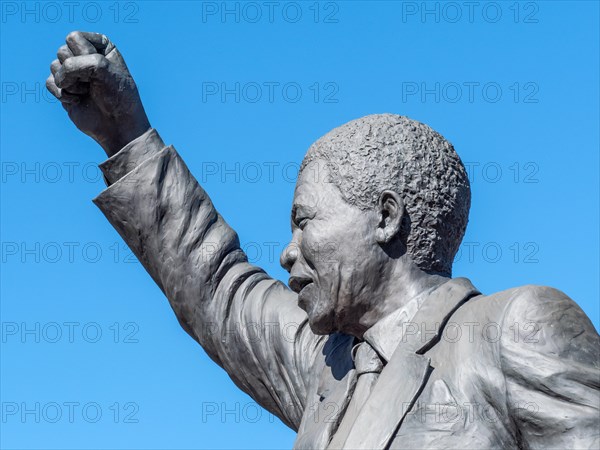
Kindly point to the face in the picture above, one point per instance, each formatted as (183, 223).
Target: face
(333, 258)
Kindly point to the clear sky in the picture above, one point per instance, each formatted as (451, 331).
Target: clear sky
(92, 355)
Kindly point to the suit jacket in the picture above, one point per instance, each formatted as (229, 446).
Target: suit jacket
(517, 369)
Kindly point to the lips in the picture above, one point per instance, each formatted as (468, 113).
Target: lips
(298, 283)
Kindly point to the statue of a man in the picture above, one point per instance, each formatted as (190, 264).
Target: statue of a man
(374, 345)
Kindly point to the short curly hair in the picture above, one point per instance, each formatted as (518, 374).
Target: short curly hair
(387, 151)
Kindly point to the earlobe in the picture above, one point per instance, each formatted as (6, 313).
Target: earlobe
(391, 212)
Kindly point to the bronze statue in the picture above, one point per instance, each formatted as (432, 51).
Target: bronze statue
(374, 345)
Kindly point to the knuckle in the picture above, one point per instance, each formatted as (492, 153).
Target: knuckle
(73, 36)
(98, 62)
(68, 65)
(109, 46)
(101, 61)
(63, 50)
(50, 85)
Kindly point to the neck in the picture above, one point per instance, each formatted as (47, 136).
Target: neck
(403, 283)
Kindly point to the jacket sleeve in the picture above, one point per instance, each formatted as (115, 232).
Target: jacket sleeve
(549, 353)
(247, 322)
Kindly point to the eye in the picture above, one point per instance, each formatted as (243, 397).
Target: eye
(301, 216)
(301, 222)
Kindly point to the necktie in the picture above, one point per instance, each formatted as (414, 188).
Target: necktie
(368, 366)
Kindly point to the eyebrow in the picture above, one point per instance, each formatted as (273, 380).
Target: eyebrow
(293, 215)
(304, 209)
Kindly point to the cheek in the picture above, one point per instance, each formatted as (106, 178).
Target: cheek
(319, 247)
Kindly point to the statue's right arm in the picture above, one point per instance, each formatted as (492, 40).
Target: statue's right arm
(247, 322)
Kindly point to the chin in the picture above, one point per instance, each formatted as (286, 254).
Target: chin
(321, 326)
(321, 322)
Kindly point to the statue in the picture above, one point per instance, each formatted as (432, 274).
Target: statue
(373, 345)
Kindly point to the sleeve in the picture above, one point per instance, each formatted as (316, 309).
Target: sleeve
(550, 357)
(131, 156)
(247, 322)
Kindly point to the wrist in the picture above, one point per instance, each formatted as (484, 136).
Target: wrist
(124, 136)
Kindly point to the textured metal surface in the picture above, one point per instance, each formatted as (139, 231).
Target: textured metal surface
(454, 368)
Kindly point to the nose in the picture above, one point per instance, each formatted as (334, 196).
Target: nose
(289, 255)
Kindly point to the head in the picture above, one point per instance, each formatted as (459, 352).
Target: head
(376, 199)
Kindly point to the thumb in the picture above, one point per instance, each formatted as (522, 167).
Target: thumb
(116, 60)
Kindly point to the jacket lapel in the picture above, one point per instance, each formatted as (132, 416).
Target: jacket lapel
(404, 377)
(323, 417)
(389, 401)
(333, 393)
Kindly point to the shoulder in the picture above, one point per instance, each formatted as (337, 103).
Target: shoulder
(525, 302)
(539, 315)
(546, 320)
(543, 306)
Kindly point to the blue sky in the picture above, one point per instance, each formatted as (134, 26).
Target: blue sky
(93, 357)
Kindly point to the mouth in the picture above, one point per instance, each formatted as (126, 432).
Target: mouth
(297, 284)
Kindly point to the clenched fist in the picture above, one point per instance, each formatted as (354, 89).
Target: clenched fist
(92, 81)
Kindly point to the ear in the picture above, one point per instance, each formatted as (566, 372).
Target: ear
(391, 211)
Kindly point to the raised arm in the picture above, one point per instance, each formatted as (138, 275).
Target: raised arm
(247, 322)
